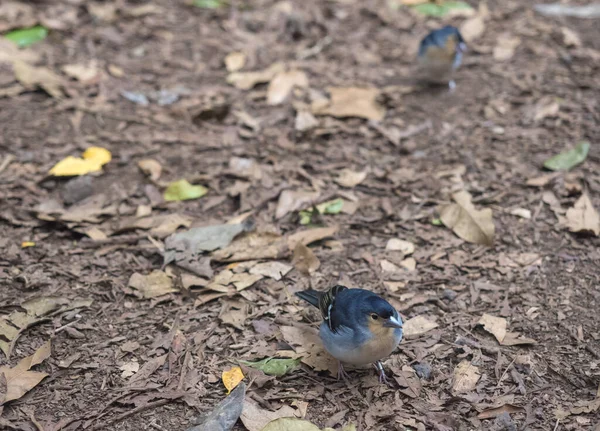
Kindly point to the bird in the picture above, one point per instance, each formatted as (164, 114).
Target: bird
(440, 54)
(359, 327)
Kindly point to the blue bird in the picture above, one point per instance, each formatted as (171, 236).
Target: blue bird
(359, 327)
(440, 54)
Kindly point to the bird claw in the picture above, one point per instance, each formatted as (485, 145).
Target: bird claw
(342, 373)
(382, 377)
(451, 86)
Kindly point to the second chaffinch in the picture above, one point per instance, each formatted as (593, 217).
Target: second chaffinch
(440, 54)
(359, 327)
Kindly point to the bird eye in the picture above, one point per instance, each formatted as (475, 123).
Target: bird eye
(374, 316)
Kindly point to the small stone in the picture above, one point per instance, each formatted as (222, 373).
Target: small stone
(449, 294)
(423, 370)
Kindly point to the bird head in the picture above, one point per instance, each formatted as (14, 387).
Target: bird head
(378, 314)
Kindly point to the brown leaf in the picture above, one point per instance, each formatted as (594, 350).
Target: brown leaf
(505, 47)
(293, 200)
(19, 380)
(151, 168)
(255, 418)
(33, 77)
(85, 73)
(497, 411)
(467, 222)
(10, 52)
(15, 14)
(472, 28)
(466, 376)
(305, 121)
(274, 270)
(148, 369)
(583, 217)
(234, 313)
(305, 260)
(235, 61)
(247, 80)
(515, 339)
(348, 178)
(253, 246)
(308, 346)
(395, 244)
(282, 85)
(309, 236)
(418, 325)
(155, 284)
(494, 325)
(351, 102)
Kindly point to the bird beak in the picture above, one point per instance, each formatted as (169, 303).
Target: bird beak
(462, 47)
(393, 322)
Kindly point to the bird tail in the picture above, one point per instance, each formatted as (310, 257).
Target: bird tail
(311, 296)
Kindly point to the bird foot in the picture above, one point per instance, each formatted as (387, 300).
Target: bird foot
(382, 377)
(451, 86)
(342, 374)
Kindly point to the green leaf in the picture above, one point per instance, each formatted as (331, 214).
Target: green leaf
(568, 159)
(273, 366)
(27, 36)
(331, 207)
(208, 4)
(305, 217)
(437, 222)
(182, 190)
(440, 9)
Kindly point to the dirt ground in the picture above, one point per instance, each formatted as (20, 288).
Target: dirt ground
(509, 114)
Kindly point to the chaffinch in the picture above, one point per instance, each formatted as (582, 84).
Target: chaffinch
(440, 54)
(359, 327)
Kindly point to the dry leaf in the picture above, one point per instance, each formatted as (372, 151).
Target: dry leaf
(494, 325)
(293, 200)
(85, 73)
(545, 107)
(293, 424)
(151, 168)
(247, 80)
(308, 346)
(231, 378)
(497, 411)
(235, 61)
(282, 85)
(466, 222)
(521, 212)
(472, 28)
(10, 52)
(255, 419)
(583, 217)
(409, 264)
(253, 246)
(309, 236)
(129, 369)
(155, 284)
(505, 48)
(352, 102)
(418, 325)
(348, 178)
(395, 244)
(274, 270)
(466, 376)
(570, 38)
(91, 160)
(19, 379)
(305, 121)
(305, 260)
(33, 77)
(542, 180)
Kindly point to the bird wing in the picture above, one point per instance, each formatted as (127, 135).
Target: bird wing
(327, 305)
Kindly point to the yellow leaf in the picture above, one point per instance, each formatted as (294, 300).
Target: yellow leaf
(93, 160)
(26, 244)
(232, 377)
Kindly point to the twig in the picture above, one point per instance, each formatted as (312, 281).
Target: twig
(186, 361)
(56, 331)
(556, 426)
(7, 161)
(505, 371)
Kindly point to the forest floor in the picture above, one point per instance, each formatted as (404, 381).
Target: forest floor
(148, 80)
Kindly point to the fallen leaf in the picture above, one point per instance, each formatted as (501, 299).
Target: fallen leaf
(282, 85)
(253, 246)
(32, 77)
(224, 416)
(19, 379)
(505, 47)
(472, 28)
(234, 313)
(235, 61)
(494, 325)
(305, 121)
(9, 53)
(255, 418)
(583, 217)
(309, 236)
(568, 159)
(290, 201)
(85, 73)
(247, 80)
(182, 190)
(395, 244)
(570, 38)
(274, 366)
(352, 102)
(16, 14)
(546, 107)
(308, 346)
(91, 160)
(305, 260)
(231, 378)
(289, 424)
(466, 376)
(155, 284)
(467, 222)
(542, 180)
(274, 270)
(245, 168)
(208, 4)
(387, 266)
(409, 264)
(129, 369)
(418, 325)
(226, 278)
(348, 178)
(515, 339)
(26, 244)
(148, 369)
(27, 36)
(151, 168)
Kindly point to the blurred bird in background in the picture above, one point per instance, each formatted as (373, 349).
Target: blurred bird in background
(440, 54)
(359, 327)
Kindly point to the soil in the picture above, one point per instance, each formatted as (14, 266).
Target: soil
(488, 137)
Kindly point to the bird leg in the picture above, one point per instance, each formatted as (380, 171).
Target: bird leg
(341, 372)
(382, 377)
(451, 86)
